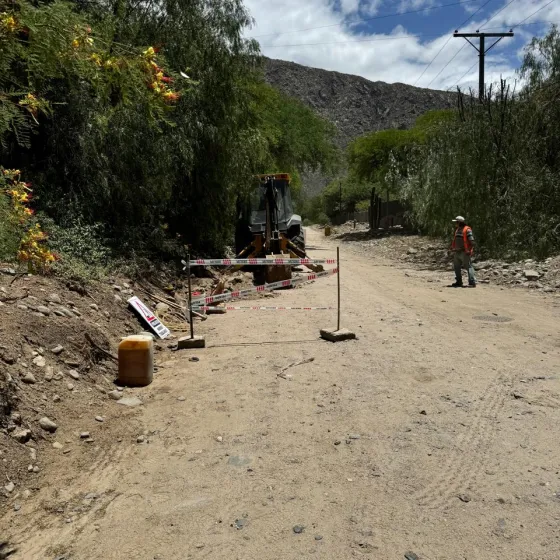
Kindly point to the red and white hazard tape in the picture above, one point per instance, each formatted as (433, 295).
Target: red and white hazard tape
(262, 308)
(259, 262)
(264, 288)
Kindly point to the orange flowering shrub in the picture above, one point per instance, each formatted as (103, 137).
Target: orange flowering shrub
(32, 248)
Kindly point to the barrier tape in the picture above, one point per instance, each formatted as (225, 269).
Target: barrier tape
(259, 262)
(262, 308)
(264, 288)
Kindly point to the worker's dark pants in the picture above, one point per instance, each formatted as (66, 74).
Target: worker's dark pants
(463, 260)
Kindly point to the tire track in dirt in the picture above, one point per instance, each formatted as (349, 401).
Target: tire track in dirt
(470, 456)
(40, 532)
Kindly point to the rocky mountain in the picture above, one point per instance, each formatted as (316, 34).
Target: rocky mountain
(353, 104)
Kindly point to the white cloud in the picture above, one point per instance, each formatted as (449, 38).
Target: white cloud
(349, 6)
(310, 33)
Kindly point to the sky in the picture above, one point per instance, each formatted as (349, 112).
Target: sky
(355, 37)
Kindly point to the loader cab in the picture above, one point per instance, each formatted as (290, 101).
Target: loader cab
(277, 189)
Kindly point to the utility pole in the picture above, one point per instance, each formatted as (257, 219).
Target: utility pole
(482, 50)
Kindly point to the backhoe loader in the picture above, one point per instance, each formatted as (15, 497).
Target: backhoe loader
(268, 228)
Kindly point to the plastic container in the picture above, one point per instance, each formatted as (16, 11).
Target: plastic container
(136, 361)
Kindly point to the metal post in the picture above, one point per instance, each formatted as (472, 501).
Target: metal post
(191, 322)
(481, 69)
(338, 282)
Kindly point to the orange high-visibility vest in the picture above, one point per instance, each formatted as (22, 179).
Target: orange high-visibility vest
(468, 248)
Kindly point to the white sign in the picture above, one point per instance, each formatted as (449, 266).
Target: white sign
(159, 328)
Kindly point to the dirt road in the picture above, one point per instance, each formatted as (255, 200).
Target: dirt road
(434, 434)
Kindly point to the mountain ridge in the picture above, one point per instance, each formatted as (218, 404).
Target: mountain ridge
(355, 105)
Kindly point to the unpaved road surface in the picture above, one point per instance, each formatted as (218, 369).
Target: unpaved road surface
(434, 433)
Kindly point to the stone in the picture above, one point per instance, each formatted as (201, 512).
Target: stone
(22, 435)
(39, 361)
(240, 523)
(130, 401)
(94, 306)
(44, 310)
(411, 556)
(29, 378)
(58, 312)
(464, 498)
(48, 425)
(219, 439)
(531, 274)
(187, 342)
(57, 445)
(318, 537)
(162, 309)
(73, 374)
(117, 298)
(58, 376)
(66, 312)
(99, 419)
(140, 439)
(54, 298)
(298, 529)
(10, 271)
(22, 307)
(115, 395)
(36, 469)
(412, 251)
(16, 418)
(549, 290)
(182, 399)
(10, 487)
(117, 288)
(354, 436)
(239, 461)
(84, 435)
(332, 335)
(56, 398)
(49, 374)
(70, 386)
(57, 350)
(72, 363)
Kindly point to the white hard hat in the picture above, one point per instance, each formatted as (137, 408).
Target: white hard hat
(459, 219)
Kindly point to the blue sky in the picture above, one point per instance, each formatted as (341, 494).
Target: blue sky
(343, 35)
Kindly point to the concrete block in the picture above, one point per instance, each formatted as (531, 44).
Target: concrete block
(332, 335)
(187, 342)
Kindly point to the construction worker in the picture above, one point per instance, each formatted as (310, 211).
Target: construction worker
(463, 247)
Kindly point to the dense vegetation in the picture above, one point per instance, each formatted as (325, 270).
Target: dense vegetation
(139, 123)
(495, 160)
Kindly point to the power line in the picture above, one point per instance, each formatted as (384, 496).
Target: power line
(349, 42)
(419, 36)
(522, 22)
(450, 61)
(459, 80)
(368, 19)
(449, 39)
(497, 13)
(482, 52)
(529, 17)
